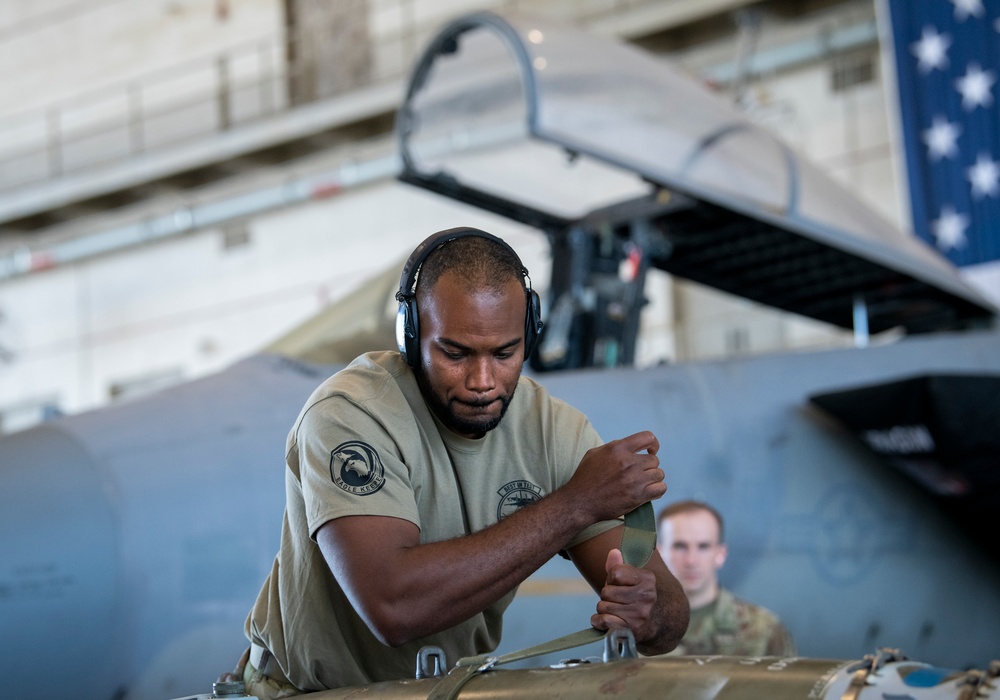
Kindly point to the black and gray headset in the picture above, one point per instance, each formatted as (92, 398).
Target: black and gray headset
(407, 319)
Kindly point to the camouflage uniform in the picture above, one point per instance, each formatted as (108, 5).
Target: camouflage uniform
(730, 626)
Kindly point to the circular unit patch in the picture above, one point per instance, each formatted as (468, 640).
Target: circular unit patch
(355, 467)
(516, 494)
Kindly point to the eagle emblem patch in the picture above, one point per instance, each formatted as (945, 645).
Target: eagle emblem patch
(355, 467)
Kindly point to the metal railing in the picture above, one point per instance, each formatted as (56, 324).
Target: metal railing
(197, 98)
(189, 100)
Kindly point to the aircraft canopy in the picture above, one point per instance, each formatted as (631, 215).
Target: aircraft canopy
(557, 128)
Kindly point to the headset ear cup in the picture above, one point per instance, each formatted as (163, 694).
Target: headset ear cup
(532, 323)
(408, 331)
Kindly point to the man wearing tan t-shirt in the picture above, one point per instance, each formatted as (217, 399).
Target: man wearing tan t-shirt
(422, 489)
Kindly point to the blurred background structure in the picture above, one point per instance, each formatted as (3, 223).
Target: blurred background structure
(184, 181)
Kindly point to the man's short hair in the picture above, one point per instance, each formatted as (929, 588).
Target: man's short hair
(690, 506)
(479, 262)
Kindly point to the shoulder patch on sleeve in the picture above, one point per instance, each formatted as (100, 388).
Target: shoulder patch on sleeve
(356, 468)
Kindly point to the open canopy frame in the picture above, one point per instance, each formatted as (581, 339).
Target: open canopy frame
(571, 132)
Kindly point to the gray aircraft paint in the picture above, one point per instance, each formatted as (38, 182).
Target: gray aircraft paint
(136, 537)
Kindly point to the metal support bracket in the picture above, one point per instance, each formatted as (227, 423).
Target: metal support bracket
(619, 644)
(867, 667)
(431, 662)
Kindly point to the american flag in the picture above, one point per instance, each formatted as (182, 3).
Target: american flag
(947, 66)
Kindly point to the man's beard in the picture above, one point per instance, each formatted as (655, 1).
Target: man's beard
(443, 409)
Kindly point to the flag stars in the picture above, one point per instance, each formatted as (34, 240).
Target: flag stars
(984, 176)
(941, 139)
(975, 87)
(966, 8)
(946, 54)
(949, 228)
(932, 50)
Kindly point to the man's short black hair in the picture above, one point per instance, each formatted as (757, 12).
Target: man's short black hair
(479, 262)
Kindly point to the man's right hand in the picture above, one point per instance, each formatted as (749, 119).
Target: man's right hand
(618, 477)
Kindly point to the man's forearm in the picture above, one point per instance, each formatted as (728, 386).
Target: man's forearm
(405, 590)
(410, 590)
(469, 573)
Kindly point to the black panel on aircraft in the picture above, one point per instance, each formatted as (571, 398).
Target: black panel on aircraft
(778, 267)
(941, 430)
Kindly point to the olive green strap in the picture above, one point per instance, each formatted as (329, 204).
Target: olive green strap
(638, 542)
(639, 537)
(448, 687)
(485, 662)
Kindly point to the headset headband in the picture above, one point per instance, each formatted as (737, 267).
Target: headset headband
(408, 278)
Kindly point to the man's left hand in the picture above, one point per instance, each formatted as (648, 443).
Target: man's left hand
(627, 598)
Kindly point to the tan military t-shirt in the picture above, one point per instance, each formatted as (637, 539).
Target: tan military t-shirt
(366, 444)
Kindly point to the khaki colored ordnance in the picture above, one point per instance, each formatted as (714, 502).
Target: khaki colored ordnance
(885, 674)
